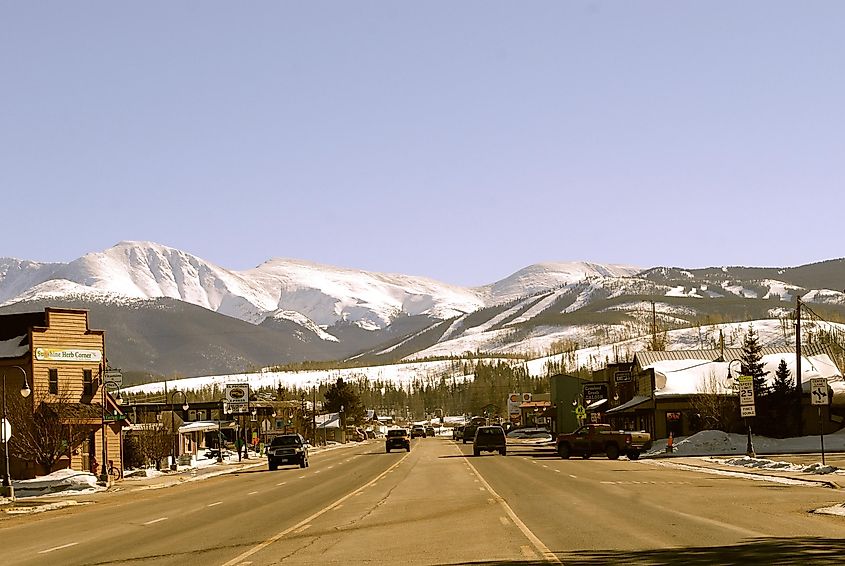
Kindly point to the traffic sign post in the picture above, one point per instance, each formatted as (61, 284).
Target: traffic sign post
(747, 408)
(819, 396)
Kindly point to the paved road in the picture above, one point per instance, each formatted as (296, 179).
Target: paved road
(438, 505)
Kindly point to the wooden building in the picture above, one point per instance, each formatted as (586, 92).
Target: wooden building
(64, 363)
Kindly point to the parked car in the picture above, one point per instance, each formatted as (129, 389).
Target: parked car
(429, 431)
(287, 449)
(397, 438)
(597, 438)
(489, 439)
(458, 433)
(417, 430)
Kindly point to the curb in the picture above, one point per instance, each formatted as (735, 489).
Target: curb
(749, 472)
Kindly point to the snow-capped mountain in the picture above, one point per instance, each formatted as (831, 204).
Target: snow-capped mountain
(167, 311)
(322, 294)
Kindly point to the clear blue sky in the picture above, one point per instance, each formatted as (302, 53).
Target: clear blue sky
(456, 140)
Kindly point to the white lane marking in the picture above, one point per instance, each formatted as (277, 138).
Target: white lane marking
(317, 472)
(213, 504)
(481, 489)
(573, 477)
(330, 467)
(547, 554)
(302, 529)
(58, 547)
(300, 477)
(252, 493)
(240, 558)
(504, 520)
(283, 483)
(557, 471)
(156, 520)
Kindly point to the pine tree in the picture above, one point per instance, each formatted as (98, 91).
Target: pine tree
(782, 384)
(752, 362)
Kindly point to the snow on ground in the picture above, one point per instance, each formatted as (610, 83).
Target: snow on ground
(60, 482)
(718, 443)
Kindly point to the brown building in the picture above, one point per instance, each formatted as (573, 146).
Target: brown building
(70, 418)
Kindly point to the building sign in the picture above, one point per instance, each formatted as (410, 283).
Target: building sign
(68, 355)
(622, 377)
(594, 392)
(513, 405)
(237, 396)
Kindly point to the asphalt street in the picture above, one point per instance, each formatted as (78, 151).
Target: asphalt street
(437, 504)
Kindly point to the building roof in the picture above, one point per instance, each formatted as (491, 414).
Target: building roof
(648, 358)
(630, 405)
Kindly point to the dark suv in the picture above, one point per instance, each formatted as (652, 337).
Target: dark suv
(287, 449)
(417, 430)
(489, 439)
(397, 438)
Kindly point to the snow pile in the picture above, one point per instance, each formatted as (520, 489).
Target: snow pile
(764, 464)
(61, 481)
(834, 510)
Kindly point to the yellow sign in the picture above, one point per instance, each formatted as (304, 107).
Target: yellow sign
(68, 355)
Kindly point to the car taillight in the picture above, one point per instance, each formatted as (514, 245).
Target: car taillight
(628, 439)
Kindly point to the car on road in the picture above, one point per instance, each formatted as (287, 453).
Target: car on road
(458, 433)
(472, 426)
(397, 438)
(429, 431)
(287, 449)
(489, 439)
(417, 430)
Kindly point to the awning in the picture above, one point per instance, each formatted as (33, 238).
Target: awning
(632, 404)
(596, 404)
(199, 426)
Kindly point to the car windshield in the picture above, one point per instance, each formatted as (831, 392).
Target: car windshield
(286, 441)
(397, 432)
(491, 432)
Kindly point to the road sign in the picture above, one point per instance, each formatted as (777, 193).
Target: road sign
(7, 429)
(746, 390)
(747, 411)
(818, 391)
(580, 412)
(117, 417)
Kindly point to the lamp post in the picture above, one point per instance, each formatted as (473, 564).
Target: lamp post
(104, 466)
(7, 489)
(749, 446)
(173, 423)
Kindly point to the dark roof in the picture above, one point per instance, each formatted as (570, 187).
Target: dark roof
(13, 325)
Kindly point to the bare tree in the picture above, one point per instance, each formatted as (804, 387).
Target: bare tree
(715, 405)
(45, 429)
(154, 443)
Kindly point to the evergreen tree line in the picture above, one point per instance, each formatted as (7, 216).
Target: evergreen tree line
(424, 397)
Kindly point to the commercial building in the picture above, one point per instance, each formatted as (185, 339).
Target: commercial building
(71, 419)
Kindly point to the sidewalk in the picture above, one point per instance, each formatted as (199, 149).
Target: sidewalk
(803, 468)
(58, 500)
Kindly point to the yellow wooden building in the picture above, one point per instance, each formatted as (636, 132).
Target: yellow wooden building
(64, 363)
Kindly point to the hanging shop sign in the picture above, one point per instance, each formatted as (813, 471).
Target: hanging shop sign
(67, 355)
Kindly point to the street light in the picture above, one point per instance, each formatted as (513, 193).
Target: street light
(104, 474)
(173, 423)
(749, 446)
(8, 490)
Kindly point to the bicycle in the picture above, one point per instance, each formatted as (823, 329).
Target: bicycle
(114, 472)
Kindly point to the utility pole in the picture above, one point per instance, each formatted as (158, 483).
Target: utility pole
(798, 363)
